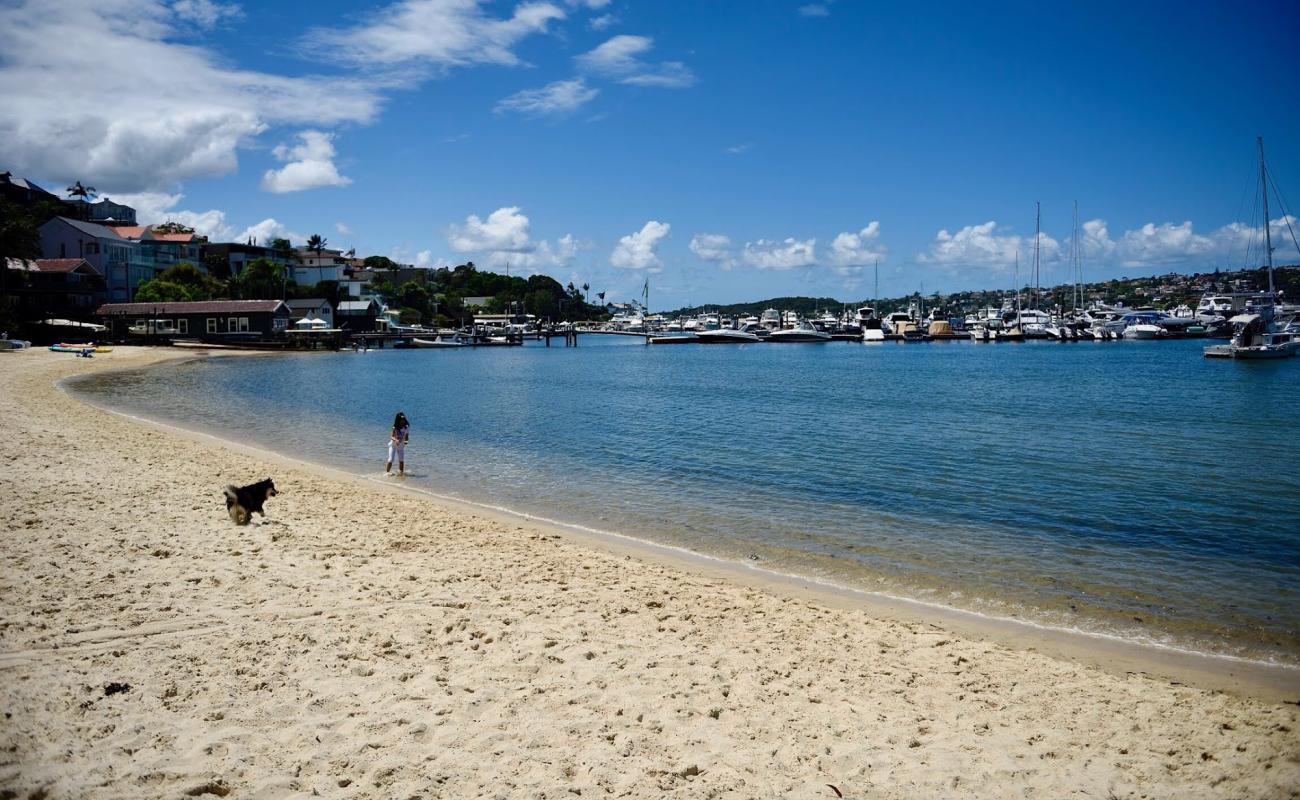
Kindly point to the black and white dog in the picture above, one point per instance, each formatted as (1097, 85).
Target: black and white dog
(242, 501)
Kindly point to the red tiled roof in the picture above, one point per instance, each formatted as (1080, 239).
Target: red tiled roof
(173, 237)
(130, 231)
(202, 307)
(61, 264)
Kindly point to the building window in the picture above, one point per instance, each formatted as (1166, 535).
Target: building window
(232, 324)
(212, 324)
(182, 326)
(243, 324)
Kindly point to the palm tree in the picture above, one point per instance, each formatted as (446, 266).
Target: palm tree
(315, 242)
(84, 192)
(585, 287)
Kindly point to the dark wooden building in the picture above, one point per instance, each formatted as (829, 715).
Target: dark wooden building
(209, 320)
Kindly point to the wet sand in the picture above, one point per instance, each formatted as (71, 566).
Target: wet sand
(364, 641)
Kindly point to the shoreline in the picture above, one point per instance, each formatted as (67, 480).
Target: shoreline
(1258, 678)
(365, 640)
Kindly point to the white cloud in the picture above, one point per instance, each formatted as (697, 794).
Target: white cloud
(62, 59)
(561, 97)
(505, 238)
(619, 58)
(311, 165)
(263, 232)
(788, 254)
(814, 10)
(981, 246)
(602, 22)
(437, 33)
(713, 247)
(738, 149)
(152, 208)
(505, 230)
(343, 228)
(205, 13)
(594, 5)
(424, 259)
(850, 252)
(637, 250)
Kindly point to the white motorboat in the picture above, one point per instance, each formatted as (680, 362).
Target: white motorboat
(803, 332)
(771, 319)
(440, 341)
(745, 335)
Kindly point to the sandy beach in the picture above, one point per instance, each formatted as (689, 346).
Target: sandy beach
(363, 641)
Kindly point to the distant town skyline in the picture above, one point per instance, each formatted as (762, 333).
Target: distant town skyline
(726, 151)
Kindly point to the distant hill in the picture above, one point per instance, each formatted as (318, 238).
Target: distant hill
(1161, 291)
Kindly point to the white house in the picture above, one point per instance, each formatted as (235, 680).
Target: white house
(315, 307)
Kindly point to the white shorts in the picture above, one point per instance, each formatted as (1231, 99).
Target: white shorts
(398, 450)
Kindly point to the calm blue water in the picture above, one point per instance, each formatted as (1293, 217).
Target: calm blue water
(1133, 488)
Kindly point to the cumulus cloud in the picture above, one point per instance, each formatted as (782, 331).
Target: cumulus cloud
(554, 99)
(505, 238)
(619, 59)
(343, 228)
(152, 208)
(61, 60)
(505, 230)
(784, 255)
(984, 247)
(638, 250)
(714, 247)
(852, 251)
(263, 232)
(310, 165)
(435, 33)
(1169, 244)
(602, 22)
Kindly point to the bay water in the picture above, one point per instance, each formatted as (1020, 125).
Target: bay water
(1130, 489)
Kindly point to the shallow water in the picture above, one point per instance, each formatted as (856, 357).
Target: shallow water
(1128, 488)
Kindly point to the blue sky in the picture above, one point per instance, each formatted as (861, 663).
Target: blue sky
(729, 151)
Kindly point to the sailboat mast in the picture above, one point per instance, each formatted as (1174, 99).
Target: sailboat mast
(876, 290)
(1078, 289)
(1038, 218)
(1268, 237)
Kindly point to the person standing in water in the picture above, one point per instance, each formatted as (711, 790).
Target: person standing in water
(397, 439)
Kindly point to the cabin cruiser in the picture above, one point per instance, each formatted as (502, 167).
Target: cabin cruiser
(900, 322)
(1257, 336)
(746, 334)
(771, 319)
(1140, 325)
(803, 332)
(1033, 322)
(1214, 305)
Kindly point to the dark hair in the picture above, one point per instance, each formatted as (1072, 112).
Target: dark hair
(400, 421)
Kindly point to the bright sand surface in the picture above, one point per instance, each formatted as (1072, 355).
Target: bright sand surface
(365, 641)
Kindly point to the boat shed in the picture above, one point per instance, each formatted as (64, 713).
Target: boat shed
(210, 320)
(357, 316)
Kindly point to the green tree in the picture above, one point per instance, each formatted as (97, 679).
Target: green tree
(261, 280)
(182, 282)
(411, 295)
(379, 262)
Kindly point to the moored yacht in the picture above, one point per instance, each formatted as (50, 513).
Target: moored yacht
(803, 332)
(745, 335)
